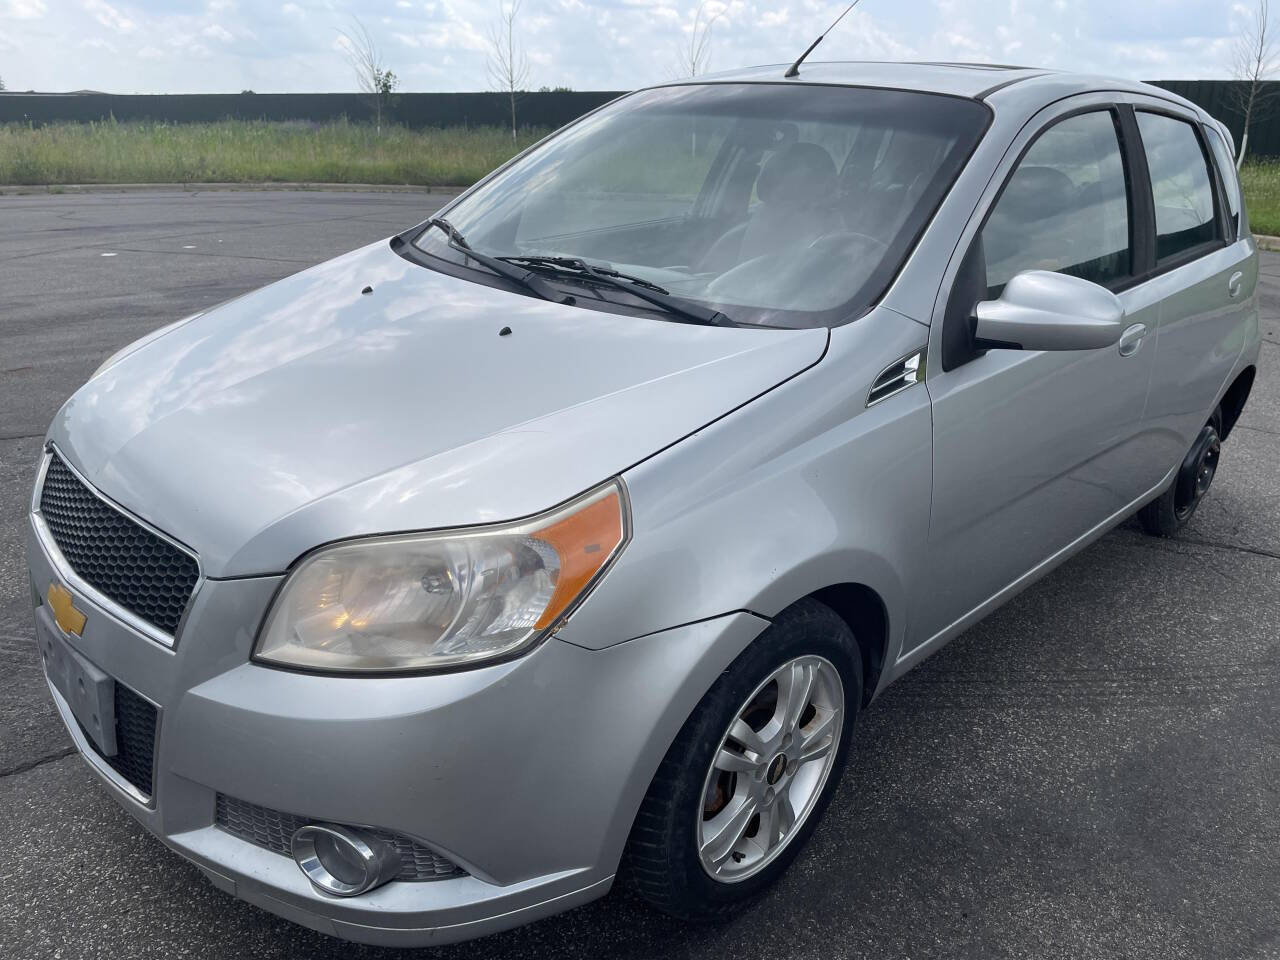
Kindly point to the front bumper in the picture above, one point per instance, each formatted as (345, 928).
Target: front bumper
(527, 774)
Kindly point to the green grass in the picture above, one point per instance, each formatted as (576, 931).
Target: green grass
(1261, 183)
(249, 152)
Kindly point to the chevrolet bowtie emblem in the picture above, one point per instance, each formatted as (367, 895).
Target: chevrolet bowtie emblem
(64, 609)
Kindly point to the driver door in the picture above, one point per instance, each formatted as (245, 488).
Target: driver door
(1033, 450)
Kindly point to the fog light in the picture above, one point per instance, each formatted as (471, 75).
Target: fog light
(342, 861)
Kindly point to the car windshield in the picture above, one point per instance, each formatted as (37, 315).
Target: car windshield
(777, 204)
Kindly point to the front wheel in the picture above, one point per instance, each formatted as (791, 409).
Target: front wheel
(750, 773)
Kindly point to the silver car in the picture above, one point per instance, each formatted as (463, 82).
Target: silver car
(562, 538)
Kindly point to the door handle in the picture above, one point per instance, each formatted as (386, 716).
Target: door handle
(1131, 339)
(1234, 284)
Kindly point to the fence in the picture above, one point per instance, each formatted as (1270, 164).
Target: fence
(411, 109)
(1222, 100)
(552, 109)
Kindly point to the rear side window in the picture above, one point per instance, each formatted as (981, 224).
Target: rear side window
(1180, 185)
(1065, 208)
(1229, 179)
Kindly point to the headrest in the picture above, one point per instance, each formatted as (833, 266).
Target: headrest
(797, 175)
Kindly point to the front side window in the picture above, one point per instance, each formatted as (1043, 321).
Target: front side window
(1180, 185)
(1065, 208)
(776, 204)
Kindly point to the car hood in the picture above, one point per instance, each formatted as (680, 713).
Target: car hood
(310, 411)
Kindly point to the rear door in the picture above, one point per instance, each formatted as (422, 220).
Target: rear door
(1033, 450)
(1203, 272)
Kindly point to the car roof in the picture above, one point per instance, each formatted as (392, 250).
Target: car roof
(982, 81)
(963, 80)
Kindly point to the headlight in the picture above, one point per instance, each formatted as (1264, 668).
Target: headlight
(444, 600)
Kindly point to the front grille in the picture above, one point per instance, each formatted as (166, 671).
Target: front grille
(144, 573)
(272, 830)
(135, 739)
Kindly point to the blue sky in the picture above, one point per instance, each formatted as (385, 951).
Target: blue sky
(290, 45)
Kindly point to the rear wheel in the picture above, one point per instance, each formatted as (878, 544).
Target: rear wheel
(1169, 513)
(746, 780)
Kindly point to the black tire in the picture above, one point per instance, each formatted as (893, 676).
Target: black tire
(1173, 509)
(661, 861)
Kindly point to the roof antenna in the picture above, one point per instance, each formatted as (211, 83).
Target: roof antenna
(794, 70)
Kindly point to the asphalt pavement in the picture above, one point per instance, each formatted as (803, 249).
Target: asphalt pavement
(1094, 771)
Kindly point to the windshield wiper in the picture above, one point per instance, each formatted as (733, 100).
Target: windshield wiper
(636, 286)
(525, 278)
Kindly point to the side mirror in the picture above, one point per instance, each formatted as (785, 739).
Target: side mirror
(1040, 310)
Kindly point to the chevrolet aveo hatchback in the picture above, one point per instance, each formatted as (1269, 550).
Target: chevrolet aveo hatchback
(564, 536)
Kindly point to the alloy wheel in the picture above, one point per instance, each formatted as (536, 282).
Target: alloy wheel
(770, 768)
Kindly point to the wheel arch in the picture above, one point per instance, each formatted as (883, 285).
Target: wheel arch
(1235, 398)
(867, 616)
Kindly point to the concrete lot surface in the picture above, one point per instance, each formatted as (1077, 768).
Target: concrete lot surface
(1092, 772)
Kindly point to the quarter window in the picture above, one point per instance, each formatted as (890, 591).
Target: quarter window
(1065, 209)
(1227, 167)
(1180, 185)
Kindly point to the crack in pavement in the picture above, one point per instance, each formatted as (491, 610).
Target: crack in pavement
(1151, 543)
(1252, 551)
(1273, 433)
(38, 762)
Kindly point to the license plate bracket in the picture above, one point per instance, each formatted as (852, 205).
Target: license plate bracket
(89, 692)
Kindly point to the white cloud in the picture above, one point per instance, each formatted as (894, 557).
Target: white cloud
(97, 43)
(23, 9)
(585, 44)
(109, 16)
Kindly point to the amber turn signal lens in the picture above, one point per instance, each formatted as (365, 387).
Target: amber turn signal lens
(584, 541)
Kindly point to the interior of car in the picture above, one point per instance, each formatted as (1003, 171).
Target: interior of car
(796, 205)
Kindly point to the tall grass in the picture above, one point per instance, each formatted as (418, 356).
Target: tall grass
(1261, 183)
(236, 151)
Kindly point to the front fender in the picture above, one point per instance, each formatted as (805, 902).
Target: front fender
(801, 489)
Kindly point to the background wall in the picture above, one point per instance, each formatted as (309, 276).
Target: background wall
(1219, 97)
(410, 109)
(1222, 99)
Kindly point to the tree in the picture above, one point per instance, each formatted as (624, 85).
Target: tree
(371, 71)
(693, 55)
(1, 83)
(1254, 60)
(508, 65)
